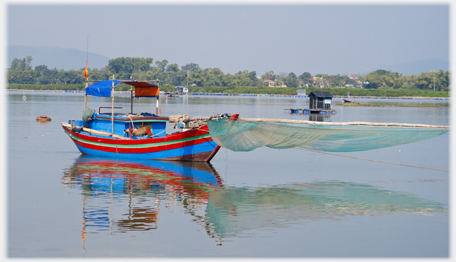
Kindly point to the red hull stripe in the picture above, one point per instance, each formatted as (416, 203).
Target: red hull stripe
(133, 150)
(143, 145)
(179, 137)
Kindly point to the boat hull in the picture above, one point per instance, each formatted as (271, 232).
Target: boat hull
(192, 145)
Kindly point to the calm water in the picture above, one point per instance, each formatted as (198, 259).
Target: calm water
(264, 203)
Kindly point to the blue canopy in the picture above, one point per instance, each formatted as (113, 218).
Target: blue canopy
(103, 88)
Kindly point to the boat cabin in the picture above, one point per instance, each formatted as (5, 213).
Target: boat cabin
(320, 100)
(123, 124)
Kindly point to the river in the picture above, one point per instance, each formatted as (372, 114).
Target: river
(266, 203)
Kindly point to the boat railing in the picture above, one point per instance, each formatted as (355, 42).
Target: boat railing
(99, 109)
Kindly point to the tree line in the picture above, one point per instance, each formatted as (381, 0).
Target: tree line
(191, 74)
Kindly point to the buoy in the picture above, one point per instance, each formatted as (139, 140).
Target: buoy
(43, 118)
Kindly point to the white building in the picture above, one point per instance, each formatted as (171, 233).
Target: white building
(182, 90)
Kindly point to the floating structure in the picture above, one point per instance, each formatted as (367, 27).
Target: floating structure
(43, 119)
(319, 103)
(139, 135)
(320, 100)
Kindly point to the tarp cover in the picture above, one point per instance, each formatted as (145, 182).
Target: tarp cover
(146, 92)
(103, 88)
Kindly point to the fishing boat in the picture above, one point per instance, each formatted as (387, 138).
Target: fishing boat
(144, 135)
(139, 135)
(350, 101)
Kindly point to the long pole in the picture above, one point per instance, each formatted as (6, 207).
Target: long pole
(131, 98)
(159, 100)
(85, 96)
(87, 79)
(112, 104)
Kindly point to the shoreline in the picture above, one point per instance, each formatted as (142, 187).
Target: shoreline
(372, 105)
(251, 95)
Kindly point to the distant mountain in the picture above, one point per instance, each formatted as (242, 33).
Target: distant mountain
(57, 57)
(415, 68)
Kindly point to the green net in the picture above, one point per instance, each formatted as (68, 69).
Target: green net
(243, 135)
(87, 115)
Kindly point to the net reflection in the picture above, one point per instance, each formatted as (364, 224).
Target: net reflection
(122, 196)
(238, 211)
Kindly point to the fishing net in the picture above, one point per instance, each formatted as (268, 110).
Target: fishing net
(87, 115)
(245, 135)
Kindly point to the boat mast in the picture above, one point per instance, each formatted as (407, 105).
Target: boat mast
(86, 74)
(85, 96)
(160, 112)
(112, 104)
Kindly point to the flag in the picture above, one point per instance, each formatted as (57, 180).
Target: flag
(86, 71)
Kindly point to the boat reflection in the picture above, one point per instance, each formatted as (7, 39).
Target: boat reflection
(135, 189)
(122, 196)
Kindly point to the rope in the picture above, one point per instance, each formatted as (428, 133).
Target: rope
(163, 131)
(270, 120)
(436, 169)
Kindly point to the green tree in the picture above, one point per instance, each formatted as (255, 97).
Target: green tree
(269, 74)
(305, 78)
(377, 79)
(161, 65)
(21, 64)
(196, 77)
(191, 67)
(124, 67)
(422, 81)
(292, 80)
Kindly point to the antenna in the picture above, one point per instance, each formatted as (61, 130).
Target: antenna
(87, 47)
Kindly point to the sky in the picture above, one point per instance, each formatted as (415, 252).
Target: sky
(331, 38)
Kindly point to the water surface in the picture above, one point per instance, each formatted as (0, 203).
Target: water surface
(264, 203)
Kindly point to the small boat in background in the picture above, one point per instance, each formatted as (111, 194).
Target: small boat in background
(139, 135)
(349, 101)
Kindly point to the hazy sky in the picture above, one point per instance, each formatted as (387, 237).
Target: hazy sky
(328, 38)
